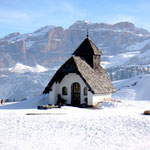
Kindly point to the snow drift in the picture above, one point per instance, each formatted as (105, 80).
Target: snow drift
(136, 88)
(30, 103)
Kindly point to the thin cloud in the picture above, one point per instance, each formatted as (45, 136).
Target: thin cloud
(68, 8)
(8, 16)
(63, 7)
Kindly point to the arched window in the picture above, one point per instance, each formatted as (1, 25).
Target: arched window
(85, 91)
(64, 91)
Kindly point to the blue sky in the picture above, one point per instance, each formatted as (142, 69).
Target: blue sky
(28, 15)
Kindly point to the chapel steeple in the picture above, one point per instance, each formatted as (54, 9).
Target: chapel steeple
(89, 52)
(87, 35)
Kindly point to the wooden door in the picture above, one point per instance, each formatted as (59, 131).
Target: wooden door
(75, 94)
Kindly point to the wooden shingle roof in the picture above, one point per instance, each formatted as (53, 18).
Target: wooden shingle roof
(87, 47)
(96, 80)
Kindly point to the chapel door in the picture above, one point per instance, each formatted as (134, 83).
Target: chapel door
(75, 94)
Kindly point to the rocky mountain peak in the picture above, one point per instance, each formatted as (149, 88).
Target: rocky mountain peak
(100, 26)
(51, 45)
(80, 24)
(10, 36)
(43, 30)
(124, 25)
(85, 24)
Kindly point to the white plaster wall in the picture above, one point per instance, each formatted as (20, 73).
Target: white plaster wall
(67, 81)
(90, 98)
(51, 97)
(53, 94)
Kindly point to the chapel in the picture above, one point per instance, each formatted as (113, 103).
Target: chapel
(81, 79)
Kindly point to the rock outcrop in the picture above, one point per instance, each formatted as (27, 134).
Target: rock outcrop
(52, 45)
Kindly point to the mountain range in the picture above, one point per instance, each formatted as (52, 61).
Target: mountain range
(121, 44)
(28, 61)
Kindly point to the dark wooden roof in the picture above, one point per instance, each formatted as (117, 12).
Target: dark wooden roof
(87, 47)
(96, 80)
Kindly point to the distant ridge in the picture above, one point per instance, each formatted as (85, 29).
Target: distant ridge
(50, 45)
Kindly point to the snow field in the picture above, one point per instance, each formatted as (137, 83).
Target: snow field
(136, 88)
(115, 126)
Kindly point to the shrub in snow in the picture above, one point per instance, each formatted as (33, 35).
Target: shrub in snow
(147, 112)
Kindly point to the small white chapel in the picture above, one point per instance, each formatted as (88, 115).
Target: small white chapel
(81, 79)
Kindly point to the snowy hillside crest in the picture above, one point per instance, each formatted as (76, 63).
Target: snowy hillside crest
(20, 68)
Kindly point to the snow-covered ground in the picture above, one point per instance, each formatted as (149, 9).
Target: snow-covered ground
(117, 125)
(114, 126)
(136, 88)
(119, 59)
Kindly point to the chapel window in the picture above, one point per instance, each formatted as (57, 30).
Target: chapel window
(64, 91)
(85, 91)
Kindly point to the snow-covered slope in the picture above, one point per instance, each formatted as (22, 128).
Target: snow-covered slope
(23, 81)
(20, 68)
(30, 103)
(136, 88)
(115, 126)
(129, 71)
